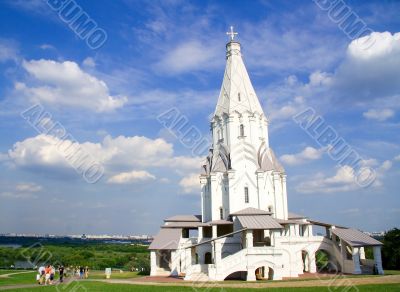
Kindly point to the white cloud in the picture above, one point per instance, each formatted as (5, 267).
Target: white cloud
(189, 56)
(16, 195)
(8, 50)
(131, 177)
(65, 84)
(345, 179)
(379, 114)
(375, 45)
(117, 154)
(397, 158)
(47, 47)
(309, 153)
(89, 62)
(28, 187)
(190, 184)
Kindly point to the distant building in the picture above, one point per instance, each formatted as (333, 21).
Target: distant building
(245, 229)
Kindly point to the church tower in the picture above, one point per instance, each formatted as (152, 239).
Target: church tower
(241, 170)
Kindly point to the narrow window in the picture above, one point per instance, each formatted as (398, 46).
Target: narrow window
(221, 213)
(246, 194)
(239, 96)
(241, 130)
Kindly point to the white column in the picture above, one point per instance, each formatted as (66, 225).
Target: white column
(362, 253)
(284, 197)
(356, 260)
(249, 238)
(378, 260)
(200, 234)
(214, 231)
(153, 263)
(251, 273)
(313, 266)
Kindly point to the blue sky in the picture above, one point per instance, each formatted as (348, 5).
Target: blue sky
(171, 54)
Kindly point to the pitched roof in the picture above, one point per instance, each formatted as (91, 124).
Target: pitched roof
(167, 238)
(259, 222)
(184, 218)
(237, 92)
(251, 211)
(283, 221)
(292, 215)
(355, 237)
(220, 222)
(182, 224)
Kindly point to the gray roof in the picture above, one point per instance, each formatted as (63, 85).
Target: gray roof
(219, 222)
(251, 211)
(184, 218)
(259, 222)
(182, 224)
(319, 223)
(355, 237)
(167, 238)
(283, 221)
(292, 215)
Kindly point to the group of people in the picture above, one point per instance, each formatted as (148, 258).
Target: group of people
(46, 274)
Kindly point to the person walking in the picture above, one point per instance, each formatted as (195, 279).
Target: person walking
(42, 273)
(86, 272)
(81, 271)
(61, 271)
(47, 276)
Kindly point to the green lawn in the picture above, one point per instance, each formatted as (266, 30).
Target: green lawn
(97, 286)
(23, 278)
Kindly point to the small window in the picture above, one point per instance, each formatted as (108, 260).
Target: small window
(246, 195)
(239, 96)
(221, 213)
(241, 130)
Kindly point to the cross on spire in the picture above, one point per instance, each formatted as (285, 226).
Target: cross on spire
(232, 33)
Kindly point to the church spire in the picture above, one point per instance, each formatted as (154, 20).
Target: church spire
(237, 92)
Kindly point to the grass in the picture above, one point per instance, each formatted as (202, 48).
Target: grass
(98, 286)
(23, 278)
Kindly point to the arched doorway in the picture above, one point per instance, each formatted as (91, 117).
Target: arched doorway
(264, 273)
(207, 258)
(325, 262)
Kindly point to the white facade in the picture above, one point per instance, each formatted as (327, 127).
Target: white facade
(245, 230)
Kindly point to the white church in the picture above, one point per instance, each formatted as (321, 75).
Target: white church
(245, 230)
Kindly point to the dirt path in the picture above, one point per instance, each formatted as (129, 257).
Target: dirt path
(334, 281)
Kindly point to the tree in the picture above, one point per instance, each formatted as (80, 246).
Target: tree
(391, 250)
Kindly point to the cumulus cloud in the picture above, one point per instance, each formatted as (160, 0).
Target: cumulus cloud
(131, 177)
(66, 84)
(307, 154)
(379, 114)
(190, 184)
(189, 56)
(373, 72)
(117, 154)
(345, 179)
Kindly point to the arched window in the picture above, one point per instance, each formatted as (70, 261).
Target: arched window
(241, 130)
(221, 213)
(246, 195)
(239, 96)
(197, 258)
